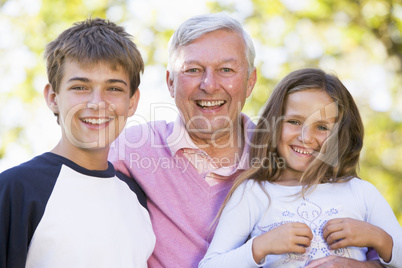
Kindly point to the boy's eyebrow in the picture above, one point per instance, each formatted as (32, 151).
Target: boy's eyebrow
(86, 80)
(116, 81)
(82, 79)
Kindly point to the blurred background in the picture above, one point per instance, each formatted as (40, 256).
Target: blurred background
(358, 40)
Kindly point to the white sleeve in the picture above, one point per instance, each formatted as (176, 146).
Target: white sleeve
(228, 247)
(380, 214)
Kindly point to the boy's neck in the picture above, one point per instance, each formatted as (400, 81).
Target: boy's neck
(91, 159)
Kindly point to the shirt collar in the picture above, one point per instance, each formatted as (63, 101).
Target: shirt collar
(180, 139)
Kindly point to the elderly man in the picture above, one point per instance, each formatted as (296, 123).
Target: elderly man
(187, 167)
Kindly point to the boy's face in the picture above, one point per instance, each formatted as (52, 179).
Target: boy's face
(93, 104)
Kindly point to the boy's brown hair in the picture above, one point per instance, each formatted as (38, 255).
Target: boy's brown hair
(90, 42)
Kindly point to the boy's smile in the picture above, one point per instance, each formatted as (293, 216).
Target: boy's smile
(93, 104)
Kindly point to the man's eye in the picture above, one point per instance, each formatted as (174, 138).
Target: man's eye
(192, 70)
(226, 70)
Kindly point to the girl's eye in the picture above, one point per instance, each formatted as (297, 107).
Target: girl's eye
(324, 128)
(294, 122)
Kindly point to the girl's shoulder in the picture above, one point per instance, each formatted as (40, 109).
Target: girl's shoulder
(252, 189)
(249, 185)
(361, 187)
(357, 182)
(263, 189)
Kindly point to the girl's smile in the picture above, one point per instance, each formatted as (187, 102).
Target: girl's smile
(306, 125)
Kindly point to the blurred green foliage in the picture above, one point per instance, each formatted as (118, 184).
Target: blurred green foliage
(343, 36)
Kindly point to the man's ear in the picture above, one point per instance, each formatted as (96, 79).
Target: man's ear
(51, 98)
(134, 102)
(169, 82)
(251, 82)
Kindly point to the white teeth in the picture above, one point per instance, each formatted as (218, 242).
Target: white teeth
(98, 121)
(300, 151)
(210, 103)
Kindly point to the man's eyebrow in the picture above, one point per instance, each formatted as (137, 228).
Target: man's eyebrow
(221, 61)
(230, 60)
(191, 62)
(86, 80)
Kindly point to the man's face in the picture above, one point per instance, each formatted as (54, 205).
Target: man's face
(210, 84)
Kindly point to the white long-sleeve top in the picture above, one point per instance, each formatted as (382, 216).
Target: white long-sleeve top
(248, 215)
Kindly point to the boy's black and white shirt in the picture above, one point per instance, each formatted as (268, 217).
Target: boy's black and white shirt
(55, 213)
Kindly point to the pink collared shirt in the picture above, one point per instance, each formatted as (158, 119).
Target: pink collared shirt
(181, 203)
(180, 142)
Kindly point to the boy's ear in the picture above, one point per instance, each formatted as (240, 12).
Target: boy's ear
(169, 82)
(134, 102)
(51, 98)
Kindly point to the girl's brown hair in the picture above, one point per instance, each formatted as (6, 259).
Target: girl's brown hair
(342, 148)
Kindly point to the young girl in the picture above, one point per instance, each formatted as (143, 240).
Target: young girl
(301, 199)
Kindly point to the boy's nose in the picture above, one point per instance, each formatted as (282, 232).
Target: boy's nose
(97, 100)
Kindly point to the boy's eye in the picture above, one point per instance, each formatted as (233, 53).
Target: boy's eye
(115, 89)
(79, 88)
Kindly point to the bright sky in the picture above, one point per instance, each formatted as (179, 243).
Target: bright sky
(41, 132)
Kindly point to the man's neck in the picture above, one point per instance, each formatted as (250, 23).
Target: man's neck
(225, 149)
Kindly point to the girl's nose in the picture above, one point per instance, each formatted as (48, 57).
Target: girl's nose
(306, 134)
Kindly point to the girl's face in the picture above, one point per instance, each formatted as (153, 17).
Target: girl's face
(309, 117)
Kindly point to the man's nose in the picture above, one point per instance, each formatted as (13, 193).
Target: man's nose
(209, 81)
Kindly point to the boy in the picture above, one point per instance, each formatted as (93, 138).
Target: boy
(67, 207)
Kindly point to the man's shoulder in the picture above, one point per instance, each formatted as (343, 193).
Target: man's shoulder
(144, 133)
(159, 126)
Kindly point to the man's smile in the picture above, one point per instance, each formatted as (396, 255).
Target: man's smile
(210, 104)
